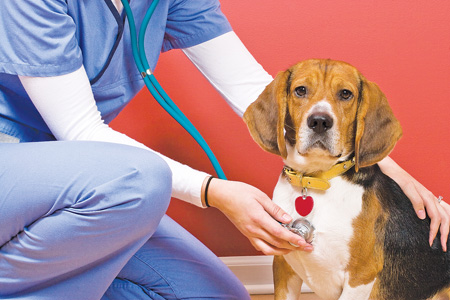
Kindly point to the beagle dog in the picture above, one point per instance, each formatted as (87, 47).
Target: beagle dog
(331, 126)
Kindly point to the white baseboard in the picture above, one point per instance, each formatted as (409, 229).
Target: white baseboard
(255, 272)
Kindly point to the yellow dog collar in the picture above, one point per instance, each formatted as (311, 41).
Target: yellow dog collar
(318, 180)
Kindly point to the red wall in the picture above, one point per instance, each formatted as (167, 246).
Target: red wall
(404, 46)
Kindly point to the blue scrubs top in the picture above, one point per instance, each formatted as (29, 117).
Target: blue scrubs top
(55, 37)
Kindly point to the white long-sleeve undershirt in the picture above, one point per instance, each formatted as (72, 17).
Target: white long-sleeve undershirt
(67, 104)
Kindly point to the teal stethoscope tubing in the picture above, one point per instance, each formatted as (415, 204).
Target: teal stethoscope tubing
(155, 88)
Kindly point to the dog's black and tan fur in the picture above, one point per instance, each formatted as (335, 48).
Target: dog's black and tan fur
(407, 267)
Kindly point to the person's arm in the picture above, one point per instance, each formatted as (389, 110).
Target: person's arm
(67, 105)
(231, 69)
(235, 74)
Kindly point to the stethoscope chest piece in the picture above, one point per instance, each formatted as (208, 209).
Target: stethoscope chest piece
(303, 228)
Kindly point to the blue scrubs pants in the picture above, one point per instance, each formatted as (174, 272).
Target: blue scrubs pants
(86, 220)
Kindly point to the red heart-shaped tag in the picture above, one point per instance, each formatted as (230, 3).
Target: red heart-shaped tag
(304, 206)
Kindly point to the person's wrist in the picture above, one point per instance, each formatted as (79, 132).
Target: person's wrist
(389, 167)
(386, 163)
(205, 191)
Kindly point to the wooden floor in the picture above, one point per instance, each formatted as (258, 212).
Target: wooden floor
(308, 296)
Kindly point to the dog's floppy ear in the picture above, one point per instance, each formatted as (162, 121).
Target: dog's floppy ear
(377, 130)
(265, 117)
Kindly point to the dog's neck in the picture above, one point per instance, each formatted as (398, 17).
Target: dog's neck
(314, 161)
(318, 180)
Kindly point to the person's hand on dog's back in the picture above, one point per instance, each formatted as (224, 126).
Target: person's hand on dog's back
(423, 201)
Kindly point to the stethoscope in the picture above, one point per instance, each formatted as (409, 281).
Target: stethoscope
(155, 88)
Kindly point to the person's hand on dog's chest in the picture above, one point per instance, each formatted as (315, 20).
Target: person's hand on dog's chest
(256, 216)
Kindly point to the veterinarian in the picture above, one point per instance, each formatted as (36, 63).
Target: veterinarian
(82, 213)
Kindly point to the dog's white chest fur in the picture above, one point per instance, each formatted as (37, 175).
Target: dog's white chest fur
(323, 269)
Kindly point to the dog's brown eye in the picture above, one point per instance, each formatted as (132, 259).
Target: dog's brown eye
(300, 91)
(345, 94)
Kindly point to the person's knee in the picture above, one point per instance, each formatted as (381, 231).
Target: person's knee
(241, 293)
(236, 290)
(131, 186)
(150, 181)
(155, 181)
(226, 282)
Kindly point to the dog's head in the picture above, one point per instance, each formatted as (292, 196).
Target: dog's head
(320, 112)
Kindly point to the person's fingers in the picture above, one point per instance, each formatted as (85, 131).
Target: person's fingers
(275, 211)
(435, 217)
(444, 210)
(424, 203)
(266, 248)
(261, 225)
(275, 229)
(416, 199)
(446, 207)
(284, 238)
(258, 230)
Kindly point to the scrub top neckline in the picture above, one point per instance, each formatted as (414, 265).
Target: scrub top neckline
(120, 27)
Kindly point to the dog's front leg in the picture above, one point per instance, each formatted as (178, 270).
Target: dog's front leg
(288, 284)
(360, 292)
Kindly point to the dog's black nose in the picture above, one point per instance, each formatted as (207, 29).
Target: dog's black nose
(319, 123)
